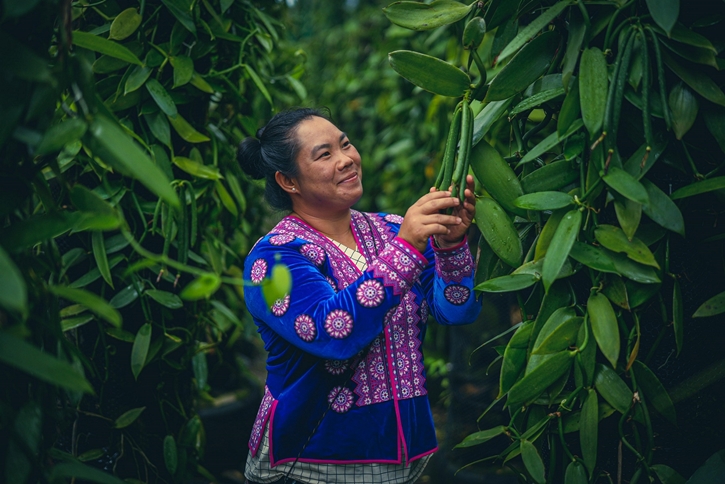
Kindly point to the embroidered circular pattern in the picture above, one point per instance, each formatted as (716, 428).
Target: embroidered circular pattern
(305, 327)
(338, 324)
(280, 306)
(370, 293)
(457, 294)
(259, 270)
(394, 218)
(281, 239)
(331, 281)
(341, 399)
(335, 367)
(314, 253)
(403, 261)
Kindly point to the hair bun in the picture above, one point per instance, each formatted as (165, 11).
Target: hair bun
(249, 157)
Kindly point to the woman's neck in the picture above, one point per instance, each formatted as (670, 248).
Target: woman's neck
(336, 227)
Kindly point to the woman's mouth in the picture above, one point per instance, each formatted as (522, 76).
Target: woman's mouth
(350, 178)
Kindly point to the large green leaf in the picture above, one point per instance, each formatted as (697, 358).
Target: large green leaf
(533, 384)
(129, 417)
(589, 429)
(28, 358)
(699, 82)
(593, 88)
(496, 176)
(104, 46)
(713, 306)
(614, 239)
(140, 349)
(553, 176)
(532, 461)
(527, 66)
(96, 304)
(481, 437)
(593, 257)
(186, 131)
(544, 201)
(201, 287)
(532, 29)
(162, 97)
(654, 393)
(508, 283)
(181, 9)
(684, 106)
(196, 169)
(430, 73)
(426, 16)
(548, 143)
(117, 149)
(704, 186)
(664, 12)
(662, 209)
(711, 471)
(564, 237)
(626, 185)
(60, 134)
(667, 475)
(612, 388)
(13, 291)
(499, 231)
(604, 326)
(125, 24)
(37, 228)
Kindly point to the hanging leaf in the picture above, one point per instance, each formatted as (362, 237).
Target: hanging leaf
(13, 291)
(699, 82)
(633, 270)
(684, 107)
(104, 46)
(124, 297)
(560, 338)
(496, 176)
(28, 358)
(481, 437)
(553, 176)
(575, 473)
(185, 130)
(532, 461)
(499, 231)
(589, 430)
(129, 417)
(667, 475)
(535, 383)
(527, 66)
(171, 458)
(592, 257)
(564, 237)
(514, 358)
(511, 282)
(664, 12)
(616, 291)
(491, 113)
(183, 69)
(201, 372)
(58, 135)
(140, 349)
(570, 109)
(713, 306)
(544, 201)
(532, 29)
(625, 184)
(662, 209)
(426, 16)
(196, 169)
(161, 97)
(430, 73)
(593, 88)
(604, 326)
(125, 24)
(654, 392)
(182, 11)
(614, 239)
(167, 299)
(258, 82)
(612, 388)
(697, 188)
(548, 143)
(537, 100)
(96, 304)
(202, 287)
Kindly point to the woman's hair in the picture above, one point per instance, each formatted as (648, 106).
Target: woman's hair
(275, 149)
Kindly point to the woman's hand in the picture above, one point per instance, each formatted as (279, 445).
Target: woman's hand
(425, 218)
(465, 212)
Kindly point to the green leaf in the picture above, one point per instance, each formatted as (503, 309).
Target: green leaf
(527, 66)
(76, 322)
(699, 82)
(28, 358)
(532, 29)
(704, 186)
(575, 473)
(120, 334)
(140, 349)
(514, 358)
(633, 270)
(499, 231)
(491, 113)
(654, 393)
(532, 461)
(604, 326)
(104, 46)
(200, 83)
(535, 267)
(98, 306)
(426, 16)
(548, 143)
(430, 73)
(662, 209)
(684, 106)
(202, 287)
(117, 149)
(667, 475)
(170, 454)
(612, 388)
(183, 69)
(258, 82)
(201, 372)
(711, 471)
(497, 177)
(664, 12)
(544, 201)
(198, 170)
(99, 253)
(564, 237)
(95, 273)
(570, 109)
(593, 88)
(37, 228)
(537, 100)
(124, 297)
(139, 75)
(481, 437)
(129, 417)
(511, 282)
(61, 134)
(588, 430)
(558, 338)
(13, 291)
(182, 11)
(185, 130)
(629, 214)
(125, 24)
(71, 469)
(592, 257)
(616, 291)
(159, 126)
(713, 306)
(539, 379)
(614, 239)
(162, 97)
(626, 185)
(278, 285)
(167, 299)
(549, 177)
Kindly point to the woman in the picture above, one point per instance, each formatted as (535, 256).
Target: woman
(345, 399)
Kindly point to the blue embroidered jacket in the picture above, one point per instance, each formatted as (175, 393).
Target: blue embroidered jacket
(347, 344)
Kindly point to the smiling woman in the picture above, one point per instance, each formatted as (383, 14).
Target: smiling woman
(346, 397)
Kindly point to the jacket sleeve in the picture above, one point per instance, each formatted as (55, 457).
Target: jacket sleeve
(448, 281)
(317, 317)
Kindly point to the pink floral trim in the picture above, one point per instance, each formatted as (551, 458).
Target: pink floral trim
(258, 271)
(281, 239)
(398, 266)
(336, 367)
(393, 218)
(262, 415)
(280, 306)
(456, 294)
(314, 253)
(454, 264)
(341, 399)
(305, 327)
(370, 293)
(338, 324)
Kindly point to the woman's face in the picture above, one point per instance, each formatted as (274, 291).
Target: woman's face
(329, 172)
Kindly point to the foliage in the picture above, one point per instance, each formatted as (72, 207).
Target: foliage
(120, 277)
(589, 176)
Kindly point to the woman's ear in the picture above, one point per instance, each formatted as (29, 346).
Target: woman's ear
(287, 183)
